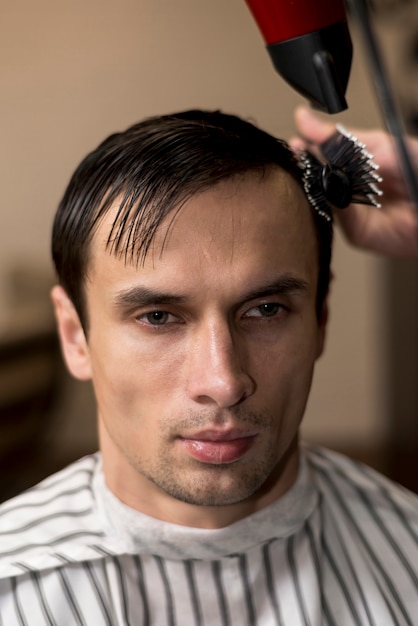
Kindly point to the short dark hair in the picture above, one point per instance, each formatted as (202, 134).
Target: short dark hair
(152, 168)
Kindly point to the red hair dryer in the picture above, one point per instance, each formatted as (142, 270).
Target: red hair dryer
(310, 46)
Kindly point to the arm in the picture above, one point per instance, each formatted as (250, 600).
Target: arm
(392, 229)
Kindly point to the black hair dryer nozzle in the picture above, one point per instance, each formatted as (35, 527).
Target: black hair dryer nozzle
(310, 45)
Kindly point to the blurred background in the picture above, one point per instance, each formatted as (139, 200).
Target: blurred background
(72, 73)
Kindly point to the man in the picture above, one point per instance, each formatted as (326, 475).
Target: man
(193, 292)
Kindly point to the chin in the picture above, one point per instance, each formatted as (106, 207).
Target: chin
(218, 487)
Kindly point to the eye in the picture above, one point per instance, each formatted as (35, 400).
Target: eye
(157, 318)
(268, 309)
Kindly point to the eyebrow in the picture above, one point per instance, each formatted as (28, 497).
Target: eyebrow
(143, 296)
(285, 285)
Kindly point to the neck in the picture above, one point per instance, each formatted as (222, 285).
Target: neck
(137, 492)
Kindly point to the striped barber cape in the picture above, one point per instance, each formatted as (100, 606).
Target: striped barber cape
(340, 548)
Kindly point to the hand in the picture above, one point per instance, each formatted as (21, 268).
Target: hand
(392, 229)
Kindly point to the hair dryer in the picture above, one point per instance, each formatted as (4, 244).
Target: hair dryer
(310, 46)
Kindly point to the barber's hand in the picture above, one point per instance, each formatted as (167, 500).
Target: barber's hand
(392, 229)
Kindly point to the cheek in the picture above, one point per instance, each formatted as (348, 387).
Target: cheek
(129, 376)
(284, 374)
(295, 350)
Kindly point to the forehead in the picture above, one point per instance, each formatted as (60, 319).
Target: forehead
(248, 222)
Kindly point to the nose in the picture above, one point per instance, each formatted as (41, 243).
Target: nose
(217, 370)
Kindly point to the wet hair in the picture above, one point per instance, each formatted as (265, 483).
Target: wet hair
(151, 169)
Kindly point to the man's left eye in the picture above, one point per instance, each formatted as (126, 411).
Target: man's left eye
(268, 309)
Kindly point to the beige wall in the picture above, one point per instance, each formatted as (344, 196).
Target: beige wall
(73, 72)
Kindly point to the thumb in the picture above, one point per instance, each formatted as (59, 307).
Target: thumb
(311, 127)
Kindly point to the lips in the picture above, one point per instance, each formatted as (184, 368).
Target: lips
(218, 447)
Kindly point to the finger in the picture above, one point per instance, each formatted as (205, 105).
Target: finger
(297, 144)
(392, 232)
(311, 127)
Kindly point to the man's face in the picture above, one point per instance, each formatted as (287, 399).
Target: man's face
(202, 358)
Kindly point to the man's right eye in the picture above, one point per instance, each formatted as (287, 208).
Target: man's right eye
(157, 318)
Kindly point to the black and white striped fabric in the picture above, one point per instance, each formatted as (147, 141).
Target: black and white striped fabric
(340, 548)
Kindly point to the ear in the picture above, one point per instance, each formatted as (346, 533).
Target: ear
(73, 340)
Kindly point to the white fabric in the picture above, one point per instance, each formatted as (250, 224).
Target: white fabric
(339, 548)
